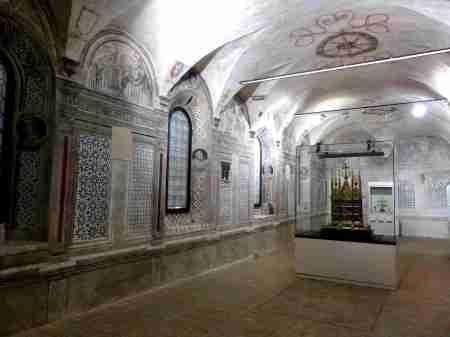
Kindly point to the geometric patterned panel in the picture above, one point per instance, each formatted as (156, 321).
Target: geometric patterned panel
(2, 111)
(438, 187)
(226, 194)
(244, 171)
(91, 219)
(291, 194)
(257, 168)
(2, 101)
(27, 190)
(407, 197)
(200, 196)
(140, 190)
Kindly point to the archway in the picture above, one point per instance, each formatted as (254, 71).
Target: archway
(29, 103)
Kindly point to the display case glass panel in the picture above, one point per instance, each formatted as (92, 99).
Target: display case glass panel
(346, 192)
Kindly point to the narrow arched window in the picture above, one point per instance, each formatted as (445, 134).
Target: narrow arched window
(179, 162)
(6, 162)
(258, 173)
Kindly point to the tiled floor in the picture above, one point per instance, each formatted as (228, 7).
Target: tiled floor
(244, 300)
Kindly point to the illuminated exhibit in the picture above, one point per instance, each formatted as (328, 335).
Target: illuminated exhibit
(347, 207)
(344, 197)
(229, 168)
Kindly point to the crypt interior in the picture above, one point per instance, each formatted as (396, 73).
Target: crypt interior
(225, 168)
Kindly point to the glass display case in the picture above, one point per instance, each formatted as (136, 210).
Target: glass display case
(346, 192)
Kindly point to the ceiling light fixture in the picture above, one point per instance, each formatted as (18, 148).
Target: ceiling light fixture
(419, 111)
(346, 110)
(349, 66)
(258, 97)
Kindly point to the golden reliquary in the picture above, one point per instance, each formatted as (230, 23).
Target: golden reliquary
(346, 199)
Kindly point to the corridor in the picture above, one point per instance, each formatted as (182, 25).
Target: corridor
(244, 300)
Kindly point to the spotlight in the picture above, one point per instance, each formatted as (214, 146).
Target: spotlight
(419, 111)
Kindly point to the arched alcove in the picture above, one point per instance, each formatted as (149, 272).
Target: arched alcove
(29, 103)
(192, 96)
(115, 64)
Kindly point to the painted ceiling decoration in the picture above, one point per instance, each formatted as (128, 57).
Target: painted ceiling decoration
(347, 44)
(244, 39)
(343, 34)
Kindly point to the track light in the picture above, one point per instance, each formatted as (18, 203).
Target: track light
(417, 104)
(349, 66)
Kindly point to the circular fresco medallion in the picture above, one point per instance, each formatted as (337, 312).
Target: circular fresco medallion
(347, 44)
(200, 155)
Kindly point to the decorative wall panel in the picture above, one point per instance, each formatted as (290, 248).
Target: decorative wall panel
(226, 194)
(244, 192)
(438, 190)
(407, 196)
(27, 190)
(200, 197)
(140, 190)
(31, 195)
(257, 173)
(2, 108)
(92, 194)
(2, 94)
(285, 182)
(118, 70)
(291, 194)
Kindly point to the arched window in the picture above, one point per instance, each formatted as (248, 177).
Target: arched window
(6, 162)
(258, 173)
(179, 162)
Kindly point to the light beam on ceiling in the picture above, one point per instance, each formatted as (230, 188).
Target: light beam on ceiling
(345, 67)
(372, 106)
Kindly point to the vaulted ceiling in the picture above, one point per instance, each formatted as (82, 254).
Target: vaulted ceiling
(235, 40)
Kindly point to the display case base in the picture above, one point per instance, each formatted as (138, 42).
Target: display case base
(360, 263)
(343, 234)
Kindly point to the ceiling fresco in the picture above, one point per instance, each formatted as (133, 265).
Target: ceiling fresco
(239, 40)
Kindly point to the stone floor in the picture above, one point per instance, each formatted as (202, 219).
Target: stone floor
(245, 300)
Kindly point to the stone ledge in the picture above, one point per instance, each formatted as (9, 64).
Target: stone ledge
(84, 263)
(423, 218)
(79, 283)
(8, 248)
(14, 254)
